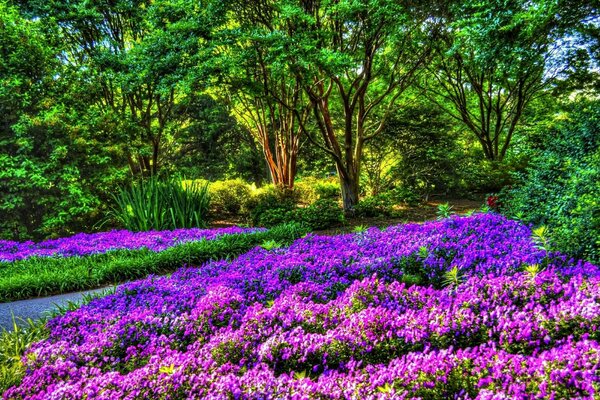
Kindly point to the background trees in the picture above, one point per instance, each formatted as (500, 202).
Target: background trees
(428, 97)
(491, 61)
(264, 95)
(354, 59)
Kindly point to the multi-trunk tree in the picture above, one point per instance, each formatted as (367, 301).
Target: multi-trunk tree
(354, 60)
(492, 59)
(265, 97)
(135, 59)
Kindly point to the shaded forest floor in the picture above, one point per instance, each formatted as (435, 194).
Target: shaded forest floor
(418, 213)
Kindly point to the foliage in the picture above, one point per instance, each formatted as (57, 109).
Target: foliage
(374, 206)
(385, 204)
(353, 60)
(322, 214)
(444, 211)
(452, 277)
(490, 64)
(137, 59)
(43, 276)
(310, 189)
(271, 207)
(230, 197)
(327, 189)
(56, 171)
(265, 96)
(361, 91)
(559, 188)
(306, 190)
(212, 145)
(418, 150)
(156, 204)
(12, 348)
(270, 245)
(338, 317)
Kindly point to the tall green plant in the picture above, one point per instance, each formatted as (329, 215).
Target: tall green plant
(559, 189)
(157, 205)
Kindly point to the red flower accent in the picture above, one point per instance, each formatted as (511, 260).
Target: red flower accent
(492, 202)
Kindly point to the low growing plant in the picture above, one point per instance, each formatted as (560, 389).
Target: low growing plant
(43, 276)
(230, 197)
(323, 214)
(444, 211)
(155, 204)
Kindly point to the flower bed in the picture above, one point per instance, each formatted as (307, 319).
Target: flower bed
(97, 243)
(354, 316)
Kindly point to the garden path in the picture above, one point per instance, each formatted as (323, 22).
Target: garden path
(36, 308)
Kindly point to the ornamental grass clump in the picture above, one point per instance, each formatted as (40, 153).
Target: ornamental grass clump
(155, 204)
(335, 318)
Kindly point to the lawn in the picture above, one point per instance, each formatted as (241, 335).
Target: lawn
(465, 307)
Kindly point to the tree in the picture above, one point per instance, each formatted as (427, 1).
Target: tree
(55, 169)
(213, 145)
(265, 96)
(135, 57)
(492, 59)
(354, 60)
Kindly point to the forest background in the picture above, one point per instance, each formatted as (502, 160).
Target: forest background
(338, 107)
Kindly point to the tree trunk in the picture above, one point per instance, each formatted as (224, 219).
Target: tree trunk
(349, 185)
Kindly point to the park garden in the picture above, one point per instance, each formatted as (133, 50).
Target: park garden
(317, 199)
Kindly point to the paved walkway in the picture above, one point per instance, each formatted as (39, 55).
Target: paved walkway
(35, 308)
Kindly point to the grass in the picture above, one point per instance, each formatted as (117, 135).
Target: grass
(44, 276)
(154, 204)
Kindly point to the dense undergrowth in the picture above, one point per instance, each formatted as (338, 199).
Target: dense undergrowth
(466, 307)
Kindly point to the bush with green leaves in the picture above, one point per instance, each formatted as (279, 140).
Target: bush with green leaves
(12, 347)
(270, 207)
(230, 197)
(155, 204)
(559, 189)
(384, 204)
(310, 189)
(374, 206)
(306, 190)
(322, 214)
(328, 189)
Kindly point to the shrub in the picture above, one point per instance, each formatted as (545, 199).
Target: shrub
(328, 189)
(310, 189)
(322, 214)
(559, 188)
(373, 206)
(230, 197)
(159, 205)
(275, 216)
(306, 190)
(383, 204)
(271, 207)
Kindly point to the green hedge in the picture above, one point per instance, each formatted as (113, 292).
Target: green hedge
(52, 275)
(560, 188)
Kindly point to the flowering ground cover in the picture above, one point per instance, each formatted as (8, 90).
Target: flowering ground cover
(467, 307)
(96, 243)
(40, 275)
